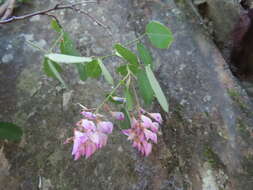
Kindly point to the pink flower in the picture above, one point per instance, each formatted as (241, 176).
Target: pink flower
(105, 127)
(157, 117)
(89, 137)
(88, 125)
(118, 115)
(143, 132)
(89, 115)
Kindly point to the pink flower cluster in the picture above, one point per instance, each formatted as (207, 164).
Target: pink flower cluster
(90, 135)
(144, 131)
(92, 132)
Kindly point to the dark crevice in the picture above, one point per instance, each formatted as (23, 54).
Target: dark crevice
(245, 4)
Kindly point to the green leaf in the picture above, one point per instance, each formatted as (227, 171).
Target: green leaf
(56, 73)
(123, 70)
(157, 89)
(67, 47)
(47, 70)
(145, 88)
(93, 69)
(10, 131)
(68, 59)
(145, 55)
(105, 72)
(56, 26)
(159, 35)
(126, 54)
(129, 99)
(126, 123)
(82, 71)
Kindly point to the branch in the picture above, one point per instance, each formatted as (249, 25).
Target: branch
(42, 12)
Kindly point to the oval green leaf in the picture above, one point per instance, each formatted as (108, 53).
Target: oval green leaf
(68, 59)
(93, 69)
(105, 72)
(10, 131)
(157, 89)
(125, 53)
(160, 36)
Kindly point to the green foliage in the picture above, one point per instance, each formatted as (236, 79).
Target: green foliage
(123, 70)
(68, 59)
(55, 72)
(56, 26)
(10, 131)
(125, 53)
(129, 99)
(93, 69)
(157, 89)
(126, 123)
(145, 55)
(145, 88)
(47, 70)
(105, 72)
(67, 47)
(160, 36)
(148, 87)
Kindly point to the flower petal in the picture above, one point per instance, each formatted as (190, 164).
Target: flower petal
(156, 116)
(147, 122)
(118, 115)
(147, 148)
(90, 149)
(88, 125)
(150, 135)
(89, 115)
(105, 127)
(94, 137)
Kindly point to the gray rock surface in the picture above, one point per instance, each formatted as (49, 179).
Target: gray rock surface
(206, 141)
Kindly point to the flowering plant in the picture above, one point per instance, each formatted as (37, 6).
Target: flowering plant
(138, 83)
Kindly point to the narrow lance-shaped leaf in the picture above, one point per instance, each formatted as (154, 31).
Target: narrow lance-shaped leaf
(47, 70)
(105, 72)
(68, 59)
(160, 36)
(10, 131)
(145, 55)
(125, 53)
(157, 89)
(56, 73)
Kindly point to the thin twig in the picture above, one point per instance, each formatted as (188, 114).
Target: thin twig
(43, 12)
(93, 18)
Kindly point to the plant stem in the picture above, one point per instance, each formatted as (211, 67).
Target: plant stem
(106, 56)
(111, 93)
(56, 42)
(137, 100)
(36, 46)
(135, 40)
